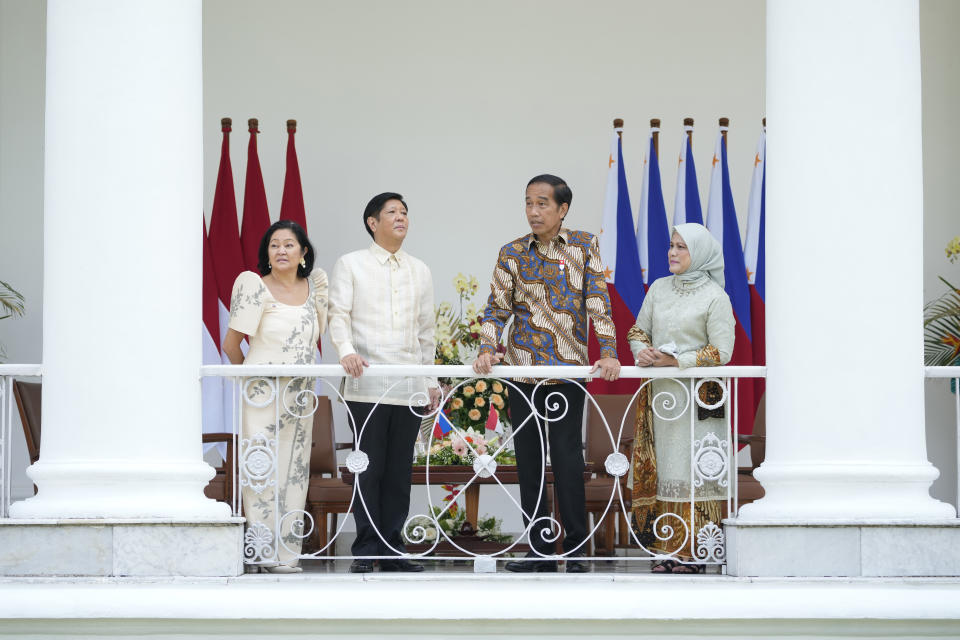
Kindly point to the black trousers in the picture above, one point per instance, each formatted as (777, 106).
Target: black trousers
(388, 440)
(566, 457)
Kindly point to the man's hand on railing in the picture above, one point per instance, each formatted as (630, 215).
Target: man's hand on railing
(353, 364)
(485, 361)
(609, 368)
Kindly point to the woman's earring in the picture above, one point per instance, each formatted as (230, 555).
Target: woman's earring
(303, 263)
(269, 266)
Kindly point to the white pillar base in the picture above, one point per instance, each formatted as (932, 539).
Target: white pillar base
(845, 491)
(120, 490)
(121, 547)
(850, 548)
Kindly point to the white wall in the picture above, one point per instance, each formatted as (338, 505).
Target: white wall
(456, 105)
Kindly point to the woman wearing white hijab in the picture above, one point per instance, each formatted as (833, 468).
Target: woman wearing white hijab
(686, 321)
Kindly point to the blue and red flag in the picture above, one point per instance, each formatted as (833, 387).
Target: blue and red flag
(686, 204)
(653, 234)
(722, 223)
(441, 426)
(754, 254)
(622, 270)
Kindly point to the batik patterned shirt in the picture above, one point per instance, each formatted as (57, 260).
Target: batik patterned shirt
(550, 290)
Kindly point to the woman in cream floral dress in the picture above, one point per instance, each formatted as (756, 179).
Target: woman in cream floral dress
(283, 312)
(686, 321)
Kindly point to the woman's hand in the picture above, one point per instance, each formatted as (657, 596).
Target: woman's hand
(646, 357)
(231, 346)
(662, 359)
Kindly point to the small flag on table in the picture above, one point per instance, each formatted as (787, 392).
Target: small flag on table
(442, 426)
(493, 421)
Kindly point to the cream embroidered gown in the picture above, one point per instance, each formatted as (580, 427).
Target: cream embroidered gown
(698, 318)
(279, 334)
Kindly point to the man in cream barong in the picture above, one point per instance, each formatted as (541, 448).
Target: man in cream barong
(381, 312)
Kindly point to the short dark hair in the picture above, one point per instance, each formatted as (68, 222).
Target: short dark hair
(561, 191)
(263, 258)
(376, 204)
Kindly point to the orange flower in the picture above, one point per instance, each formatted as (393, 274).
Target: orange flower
(497, 387)
(479, 402)
(481, 386)
(474, 415)
(468, 391)
(496, 401)
(456, 403)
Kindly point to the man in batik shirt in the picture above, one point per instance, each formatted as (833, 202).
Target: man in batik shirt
(549, 281)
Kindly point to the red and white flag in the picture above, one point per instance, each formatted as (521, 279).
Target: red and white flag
(225, 248)
(211, 387)
(291, 205)
(256, 216)
(493, 420)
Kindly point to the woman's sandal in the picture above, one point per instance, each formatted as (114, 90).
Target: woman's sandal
(667, 566)
(689, 569)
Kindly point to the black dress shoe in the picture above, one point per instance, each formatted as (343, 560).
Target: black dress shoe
(574, 565)
(401, 564)
(361, 566)
(529, 566)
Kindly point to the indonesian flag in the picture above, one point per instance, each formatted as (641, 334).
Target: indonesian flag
(211, 387)
(686, 203)
(621, 261)
(653, 236)
(722, 223)
(291, 205)
(754, 257)
(493, 420)
(256, 216)
(225, 247)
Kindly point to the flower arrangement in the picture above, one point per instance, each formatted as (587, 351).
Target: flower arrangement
(462, 449)
(450, 519)
(458, 340)
(459, 328)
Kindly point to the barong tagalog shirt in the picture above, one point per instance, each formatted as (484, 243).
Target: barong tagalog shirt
(550, 290)
(381, 307)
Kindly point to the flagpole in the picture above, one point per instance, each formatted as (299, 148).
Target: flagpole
(724, 124)
(618, 124)
(688, 122)
(291, 126)
(655, 124)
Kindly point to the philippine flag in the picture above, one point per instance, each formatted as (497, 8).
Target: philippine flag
(722, 223)
(754, 254)
(621, 262)
(442, 426)
(653, 236)
(686, 203)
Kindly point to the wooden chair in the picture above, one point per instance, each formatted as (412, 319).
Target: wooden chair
(327, 493)
(221, 486)
(28, 396)
(748, 488)
(598, 447)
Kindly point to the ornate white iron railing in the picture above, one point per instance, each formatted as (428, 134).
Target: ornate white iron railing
(676, 399)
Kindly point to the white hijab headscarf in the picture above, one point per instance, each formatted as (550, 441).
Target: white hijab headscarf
(706, 254)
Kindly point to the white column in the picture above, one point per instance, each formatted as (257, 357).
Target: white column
(845, 411)
(122, 264)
